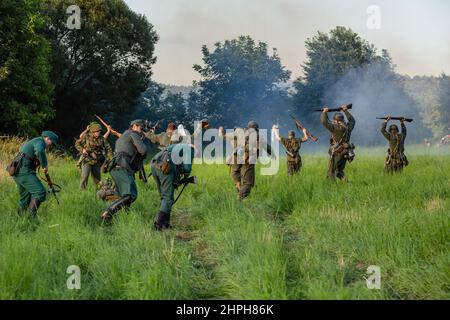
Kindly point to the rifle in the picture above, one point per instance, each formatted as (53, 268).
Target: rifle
(114, 132)
(396, 118)
(349, 106)
(184, 182)
(52, 187)
(300, 128)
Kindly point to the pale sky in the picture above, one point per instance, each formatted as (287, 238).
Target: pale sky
(415, 32)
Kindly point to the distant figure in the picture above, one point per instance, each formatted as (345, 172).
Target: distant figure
(246, 144)
(95, 151)
(163, 138)
(292, 147)
(341, 150)
(427, 142)
(396, 159)
(445, 139)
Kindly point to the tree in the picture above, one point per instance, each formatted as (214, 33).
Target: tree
(25, 89)
(101, 68)
(432, 94)
(343, 68)
(239, 82)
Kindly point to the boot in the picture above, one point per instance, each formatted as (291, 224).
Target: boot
(162, 221)
(116, 206)
(33, 207)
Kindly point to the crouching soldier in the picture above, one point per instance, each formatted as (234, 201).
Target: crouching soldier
(130, 152)
(341, 150)
(396, 159)
(171, 168)
(31, 155)
(292, 147)
(95, 151)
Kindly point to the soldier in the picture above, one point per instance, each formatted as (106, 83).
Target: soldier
(128, 156)
(163, 138)
(246, 145)
(32, 155)
(168, 174)
(95, 150)
(341, 149)
(396, 159)
(292, 147)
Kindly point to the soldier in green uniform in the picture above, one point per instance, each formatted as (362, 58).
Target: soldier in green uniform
(341, 150)
(31, 155)
(396, 159)
(163, 138)
(292, 147)
(94, 150)
(168, 167)
(129, 153)
(246, 150)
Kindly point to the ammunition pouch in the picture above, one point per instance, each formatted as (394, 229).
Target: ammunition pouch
(15, 165)
(163, 163)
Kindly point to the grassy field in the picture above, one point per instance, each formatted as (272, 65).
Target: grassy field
(294, 238)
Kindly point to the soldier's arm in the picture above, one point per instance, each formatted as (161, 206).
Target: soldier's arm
(326, 122)
(383, 130)
(139, 144)
(351, 120)
(108, 150)
(79, 144)
(154, 138)
(39, 152)
(402, 124)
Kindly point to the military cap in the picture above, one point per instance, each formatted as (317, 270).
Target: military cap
(53, 136)
(253, 124)
(94, 127)
(138, 122)
(338, 116)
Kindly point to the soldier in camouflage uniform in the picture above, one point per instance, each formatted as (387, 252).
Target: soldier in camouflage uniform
(32, 155)
(94, 150)
(246, 144)
(163, 138)
(396, 159)
(292, 147)
(129, 153)
(341, 150)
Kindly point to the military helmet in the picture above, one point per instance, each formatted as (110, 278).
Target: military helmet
(393, 127)
(94, 127)
(338, 116)
(53, 136)
(291, 133)
(253, 124)
(138, 122)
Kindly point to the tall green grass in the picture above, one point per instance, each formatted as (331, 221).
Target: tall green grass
(293, 238)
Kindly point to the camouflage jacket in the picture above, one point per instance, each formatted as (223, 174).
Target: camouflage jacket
(98, 149)
(292, 147)
(396, 141)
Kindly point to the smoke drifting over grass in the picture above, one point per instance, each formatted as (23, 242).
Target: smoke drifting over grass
(375, 91)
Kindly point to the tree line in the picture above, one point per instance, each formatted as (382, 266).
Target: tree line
(51, 76)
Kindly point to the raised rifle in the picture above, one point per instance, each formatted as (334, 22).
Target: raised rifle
(300, 128)
(349, 106)
(396, 118)
(114, 132)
